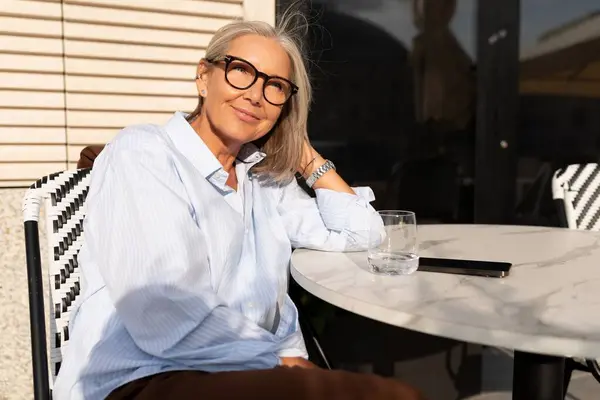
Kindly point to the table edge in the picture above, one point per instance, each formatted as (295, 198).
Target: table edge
(445, 329)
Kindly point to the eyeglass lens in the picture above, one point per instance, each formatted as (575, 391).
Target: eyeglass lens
(242, 75)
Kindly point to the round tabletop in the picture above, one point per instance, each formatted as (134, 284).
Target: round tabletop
(549, 304)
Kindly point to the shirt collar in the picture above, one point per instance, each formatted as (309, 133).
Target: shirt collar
(187, 141)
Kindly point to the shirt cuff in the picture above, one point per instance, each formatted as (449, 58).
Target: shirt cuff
(293, 346)
(345, 211)
(292, 353)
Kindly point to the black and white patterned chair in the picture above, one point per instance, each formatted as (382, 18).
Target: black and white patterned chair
(63, 198)
(576, 193)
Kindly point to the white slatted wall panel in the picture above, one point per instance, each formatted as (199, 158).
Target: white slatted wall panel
(131, 61)
(32, 100)
(74, 72)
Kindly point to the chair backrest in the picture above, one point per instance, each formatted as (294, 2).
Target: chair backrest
(63, 195)
(576, 191)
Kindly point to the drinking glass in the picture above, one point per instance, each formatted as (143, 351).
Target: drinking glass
(393, 246)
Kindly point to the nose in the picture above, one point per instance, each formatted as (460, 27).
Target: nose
(254, 92)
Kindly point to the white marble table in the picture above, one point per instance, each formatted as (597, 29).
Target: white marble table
(549, 305)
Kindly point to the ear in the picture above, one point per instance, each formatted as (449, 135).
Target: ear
(202, 73)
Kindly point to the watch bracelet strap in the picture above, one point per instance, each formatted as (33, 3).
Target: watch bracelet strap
(322, 170)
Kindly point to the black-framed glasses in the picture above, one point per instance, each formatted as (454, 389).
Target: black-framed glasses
(241, 74)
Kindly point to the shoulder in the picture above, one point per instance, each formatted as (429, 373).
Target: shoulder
(136, 148)
(139, 141)
(139, 137)
(281, 189)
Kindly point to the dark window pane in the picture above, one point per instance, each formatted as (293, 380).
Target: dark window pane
(559, 120)
(395, 91)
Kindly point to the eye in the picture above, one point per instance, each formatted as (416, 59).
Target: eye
(240, 67)
(276, 85)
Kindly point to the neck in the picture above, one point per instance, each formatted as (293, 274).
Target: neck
(225, 153)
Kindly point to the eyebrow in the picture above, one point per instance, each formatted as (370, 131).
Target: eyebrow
(270, 75)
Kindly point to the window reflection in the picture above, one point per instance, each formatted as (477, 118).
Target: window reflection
(395, 98)
(560, 97)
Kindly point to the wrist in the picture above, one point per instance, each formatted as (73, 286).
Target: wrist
(313, 165)
(309, 155)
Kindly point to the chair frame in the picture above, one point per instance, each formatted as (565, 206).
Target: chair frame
(63, 200)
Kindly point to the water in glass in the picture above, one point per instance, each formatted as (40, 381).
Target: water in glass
(393, 263)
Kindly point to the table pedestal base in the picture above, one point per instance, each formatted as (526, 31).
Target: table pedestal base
(538, 377)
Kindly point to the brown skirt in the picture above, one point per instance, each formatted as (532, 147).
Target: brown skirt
(278, 383)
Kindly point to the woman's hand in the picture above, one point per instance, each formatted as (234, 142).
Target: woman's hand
(297, 362)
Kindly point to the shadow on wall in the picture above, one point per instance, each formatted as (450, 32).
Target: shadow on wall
(363, 112)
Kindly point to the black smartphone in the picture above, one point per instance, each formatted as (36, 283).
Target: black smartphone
(493, 269)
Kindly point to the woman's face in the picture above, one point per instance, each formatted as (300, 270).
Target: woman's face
(241, 116)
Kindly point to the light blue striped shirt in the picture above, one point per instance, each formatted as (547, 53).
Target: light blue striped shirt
(181, 272)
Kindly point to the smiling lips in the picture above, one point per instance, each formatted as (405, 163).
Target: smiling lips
(245, 115)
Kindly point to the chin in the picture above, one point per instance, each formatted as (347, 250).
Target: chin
(238, 134)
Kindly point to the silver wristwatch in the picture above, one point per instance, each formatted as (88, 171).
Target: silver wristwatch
(319, 173)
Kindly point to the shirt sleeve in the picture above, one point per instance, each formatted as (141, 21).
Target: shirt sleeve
(292, 342)
(333, 221)
(152, 257)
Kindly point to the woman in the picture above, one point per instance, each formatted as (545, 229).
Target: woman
(188, 235)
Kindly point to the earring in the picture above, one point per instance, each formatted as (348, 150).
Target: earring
(198, 76)
(203, 92)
